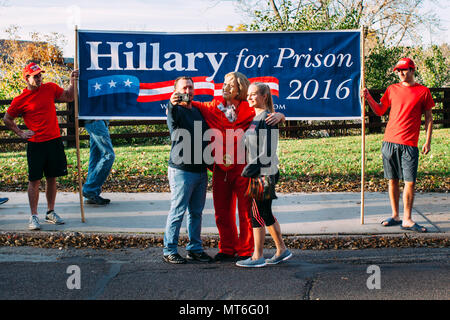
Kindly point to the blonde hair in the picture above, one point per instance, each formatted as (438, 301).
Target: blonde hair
(243, 84)
(264, 89)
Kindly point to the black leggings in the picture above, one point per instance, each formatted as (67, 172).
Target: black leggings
(262, 213)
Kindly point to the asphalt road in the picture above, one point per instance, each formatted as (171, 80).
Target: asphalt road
(88, 274)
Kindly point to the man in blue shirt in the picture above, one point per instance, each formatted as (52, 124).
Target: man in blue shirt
(187, 174)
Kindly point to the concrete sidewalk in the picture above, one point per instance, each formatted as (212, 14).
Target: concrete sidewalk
(298, 213)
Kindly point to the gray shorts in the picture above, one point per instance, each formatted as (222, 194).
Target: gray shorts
(400, 161)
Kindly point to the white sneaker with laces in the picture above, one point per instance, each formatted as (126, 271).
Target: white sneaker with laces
(52, 217)
(34, 223)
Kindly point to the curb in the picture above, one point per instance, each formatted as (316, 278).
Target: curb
(78, 240)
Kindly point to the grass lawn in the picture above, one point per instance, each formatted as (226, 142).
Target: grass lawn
(306, 165)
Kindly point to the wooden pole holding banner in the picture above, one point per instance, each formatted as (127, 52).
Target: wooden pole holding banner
(363, 126)
(77, 134)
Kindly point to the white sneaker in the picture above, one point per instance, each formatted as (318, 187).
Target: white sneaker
(52, 217)
(34, 223)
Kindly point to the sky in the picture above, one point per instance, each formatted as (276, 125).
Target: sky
(144, 15)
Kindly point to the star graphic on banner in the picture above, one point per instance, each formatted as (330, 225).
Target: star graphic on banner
(112, 84)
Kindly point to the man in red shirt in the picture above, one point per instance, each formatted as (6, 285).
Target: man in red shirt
(45, 151)
(407, 100)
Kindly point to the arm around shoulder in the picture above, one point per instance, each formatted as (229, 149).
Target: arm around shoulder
(275, 118)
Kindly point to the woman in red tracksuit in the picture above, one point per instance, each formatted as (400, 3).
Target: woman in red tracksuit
(232, 114)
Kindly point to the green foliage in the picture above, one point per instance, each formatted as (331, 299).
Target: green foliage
(44, 49)
(379, 64)
(293, 17)
(432, 68)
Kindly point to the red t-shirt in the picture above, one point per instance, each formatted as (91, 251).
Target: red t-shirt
(407, 105)
(37, 108)
(216, 119)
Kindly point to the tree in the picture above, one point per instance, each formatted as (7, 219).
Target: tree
(433, 67)
(391, 22)
(379, 63)
(388, 26)
(44, 49)
(285, 15)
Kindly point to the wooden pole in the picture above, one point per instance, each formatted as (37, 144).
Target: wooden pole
(363, 127)
(77, 136)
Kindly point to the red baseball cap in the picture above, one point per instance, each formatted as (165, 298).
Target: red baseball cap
(31, 69)
(405, 63)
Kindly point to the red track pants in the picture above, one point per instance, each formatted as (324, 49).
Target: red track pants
(228, 188)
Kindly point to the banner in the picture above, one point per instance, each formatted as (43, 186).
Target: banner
(129, 75)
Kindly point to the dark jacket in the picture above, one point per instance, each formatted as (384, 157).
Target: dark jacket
(261, 145)
(186, 127)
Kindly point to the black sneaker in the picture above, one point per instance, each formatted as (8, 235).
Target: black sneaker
(174, 258)
(198, 256)
(97, 200)
(224, 257)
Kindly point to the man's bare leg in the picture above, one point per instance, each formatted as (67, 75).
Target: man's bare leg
(33, 195)
(275, 232)
(50, 193)
(394, 197)
(408, 201)
(259, 236)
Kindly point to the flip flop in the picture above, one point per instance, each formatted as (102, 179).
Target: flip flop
(391, 222)
(415, 227)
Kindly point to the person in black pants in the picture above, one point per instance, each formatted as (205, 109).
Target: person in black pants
(261, 145)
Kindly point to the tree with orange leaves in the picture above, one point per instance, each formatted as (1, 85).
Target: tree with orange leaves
(44, 49)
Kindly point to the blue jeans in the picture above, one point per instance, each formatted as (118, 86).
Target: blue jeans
(101, 157)
(188, 191)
